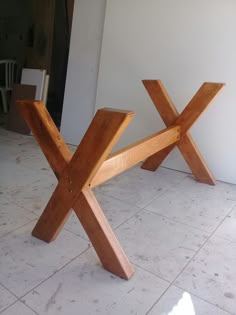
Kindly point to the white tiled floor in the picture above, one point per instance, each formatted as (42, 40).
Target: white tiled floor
(180, 236)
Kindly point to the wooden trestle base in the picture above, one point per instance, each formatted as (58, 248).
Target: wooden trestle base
(92, 164)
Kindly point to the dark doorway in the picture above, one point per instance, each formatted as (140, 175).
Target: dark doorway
(37, 34)
(59, 60)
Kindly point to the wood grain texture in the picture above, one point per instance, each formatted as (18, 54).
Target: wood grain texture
(169, 114)
(154, 161)
(91, 165)
(161, 100)
(122, 160)
(101, 235)
(86, 207)
(198, 104)
(97, 142)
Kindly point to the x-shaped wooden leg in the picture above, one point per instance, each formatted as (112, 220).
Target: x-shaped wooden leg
(74, 174)
(170, 116)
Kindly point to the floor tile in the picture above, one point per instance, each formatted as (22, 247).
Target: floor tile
(18, 309)
(6, 136)
(26, 261)
(18, 146)
(6, 298)
(116, 212)
(178, 302)
(83, 285)
(12, 217)
(15, 176)
(211, 275)
(159, 245)
(195, 207)
(33, 196)
(27, 153)
(9, 151)
(181, 213)
(226, 191)
(37, 161)
(227, 229)
(138, 186)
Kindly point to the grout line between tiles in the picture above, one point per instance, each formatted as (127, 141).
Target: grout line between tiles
(148, 271)
(191, 174)
(75, 234)
(88, 240)
(9, 291)
(171, 219)
(150, 309)
(81, 237)
(3, 310)
(138, 212)
(128, 219)
(225, 239)
(29, 308)
(115, 198)
(7, 233)
(18, 300)
(134, 205)
(163, 193)
(21, 297)
(203, 244)
(217, 306)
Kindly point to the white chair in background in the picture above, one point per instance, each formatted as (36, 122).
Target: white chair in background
(10, 73)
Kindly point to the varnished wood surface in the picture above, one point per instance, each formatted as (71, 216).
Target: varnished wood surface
(86, 207)
(122, 160)
(101, 236)
(169, 114)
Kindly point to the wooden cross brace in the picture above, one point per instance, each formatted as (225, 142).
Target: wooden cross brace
(92, 164)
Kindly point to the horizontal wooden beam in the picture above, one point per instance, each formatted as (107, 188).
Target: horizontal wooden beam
(122, 160)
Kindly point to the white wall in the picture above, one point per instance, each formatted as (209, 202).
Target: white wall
(82, 72)
(183, 43)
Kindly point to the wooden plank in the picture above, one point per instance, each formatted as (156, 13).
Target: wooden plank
(15, 121)
(168, 113)
(187, 147)
(199, 103)
(161, 100)
(124, 159)
(102, 237)
(155, 160)
(88, 211)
